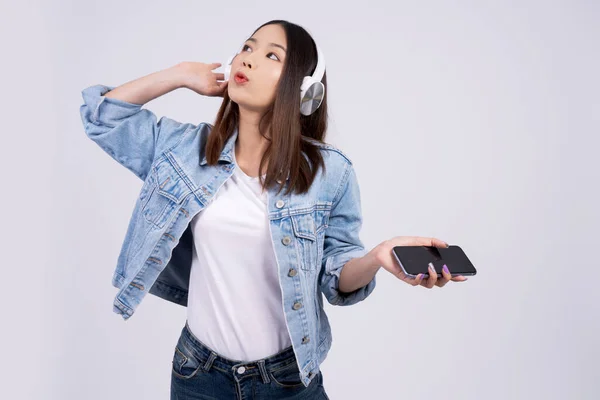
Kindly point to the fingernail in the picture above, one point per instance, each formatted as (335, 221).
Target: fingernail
(431, 267)
(445, 268)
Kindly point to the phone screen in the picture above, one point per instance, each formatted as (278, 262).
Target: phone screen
(415, 260)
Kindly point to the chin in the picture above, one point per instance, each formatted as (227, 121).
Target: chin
(246, 101)
(235, 95)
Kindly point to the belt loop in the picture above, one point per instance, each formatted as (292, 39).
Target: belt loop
(263, 371)
(210, 360)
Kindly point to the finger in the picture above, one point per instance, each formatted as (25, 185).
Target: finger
(446, 276)
(438, 243)
(459, 278)
(214, 65)
(219, 76)
(430, 242)
(220, 84)
(412, 281)
(421, 279)
(418, 280)
(432, 277)
(222, 88)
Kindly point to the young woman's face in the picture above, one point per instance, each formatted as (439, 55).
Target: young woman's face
(261, 60)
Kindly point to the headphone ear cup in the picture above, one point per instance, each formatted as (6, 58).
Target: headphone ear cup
(312, 92)
(227, 71)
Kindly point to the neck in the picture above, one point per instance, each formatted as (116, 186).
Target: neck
(250, 144)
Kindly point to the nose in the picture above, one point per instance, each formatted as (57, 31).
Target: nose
(247, 60)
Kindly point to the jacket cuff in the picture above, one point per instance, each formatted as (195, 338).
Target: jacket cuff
(106, 111)
(333, 268)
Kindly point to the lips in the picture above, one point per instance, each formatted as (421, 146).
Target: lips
(240, 77)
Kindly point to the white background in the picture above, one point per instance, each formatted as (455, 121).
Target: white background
(475, 122)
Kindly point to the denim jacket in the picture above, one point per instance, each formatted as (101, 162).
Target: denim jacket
(313, 234)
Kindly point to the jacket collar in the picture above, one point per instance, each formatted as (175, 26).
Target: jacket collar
(226, 154)
(227, 149)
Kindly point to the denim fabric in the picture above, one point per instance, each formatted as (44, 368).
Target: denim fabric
(198, 372)
(314, 234)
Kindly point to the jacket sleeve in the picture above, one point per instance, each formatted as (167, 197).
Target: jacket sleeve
(342, 243)
(128, 133)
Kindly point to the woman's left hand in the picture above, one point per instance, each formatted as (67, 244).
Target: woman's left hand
(385, 258)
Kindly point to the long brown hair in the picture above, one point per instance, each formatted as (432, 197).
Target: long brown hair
(288, 146)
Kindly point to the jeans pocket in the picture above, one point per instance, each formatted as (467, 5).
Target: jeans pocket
(288, 376)
(185, 364)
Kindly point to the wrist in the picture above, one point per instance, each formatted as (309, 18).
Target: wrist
(178, 75)
(372, 261)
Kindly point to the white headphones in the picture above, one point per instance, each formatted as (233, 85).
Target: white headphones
(312, 89)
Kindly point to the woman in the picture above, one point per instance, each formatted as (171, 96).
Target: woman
(250, 260)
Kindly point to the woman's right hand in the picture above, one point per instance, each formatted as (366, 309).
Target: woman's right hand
(200, 78)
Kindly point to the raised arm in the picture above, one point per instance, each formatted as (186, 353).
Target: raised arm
(113, 117)
(149, 87)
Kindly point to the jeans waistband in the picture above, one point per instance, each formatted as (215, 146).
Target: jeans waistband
(210, 358)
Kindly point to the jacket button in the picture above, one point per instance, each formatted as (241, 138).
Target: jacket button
(305, 339)
(279, 203)
(286, 240)
(292, 272)
(297, 305)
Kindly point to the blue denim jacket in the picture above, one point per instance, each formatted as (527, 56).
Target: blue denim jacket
(314, 234)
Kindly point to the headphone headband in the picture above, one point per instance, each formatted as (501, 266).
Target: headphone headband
(320, 68)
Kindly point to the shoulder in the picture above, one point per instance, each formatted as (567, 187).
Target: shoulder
(199, 132)
(187, 140)
(331, 152)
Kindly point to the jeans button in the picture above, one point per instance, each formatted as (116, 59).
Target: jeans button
(241, 370)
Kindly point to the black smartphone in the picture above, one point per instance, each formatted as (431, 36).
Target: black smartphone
(414, 260)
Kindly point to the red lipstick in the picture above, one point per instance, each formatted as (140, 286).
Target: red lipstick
(240, 77)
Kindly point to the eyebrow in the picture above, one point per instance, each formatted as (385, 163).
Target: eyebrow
(270, 44)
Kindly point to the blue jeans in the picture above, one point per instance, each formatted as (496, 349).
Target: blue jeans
(200, 373)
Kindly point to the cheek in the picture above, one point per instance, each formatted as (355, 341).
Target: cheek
(268, 84)
(275, 76)
(271, 83)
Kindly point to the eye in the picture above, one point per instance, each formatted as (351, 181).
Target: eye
(246, 46)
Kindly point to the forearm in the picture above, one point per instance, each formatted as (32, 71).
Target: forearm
(358, 272)
(142, 90)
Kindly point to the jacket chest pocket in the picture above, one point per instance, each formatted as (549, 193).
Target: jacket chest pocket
(308, 229)
(162, 196)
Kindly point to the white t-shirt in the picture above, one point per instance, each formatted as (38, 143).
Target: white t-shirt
(235, 302)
